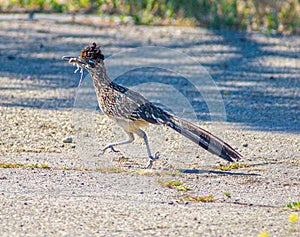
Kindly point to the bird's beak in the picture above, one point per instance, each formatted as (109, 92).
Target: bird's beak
(74, 60)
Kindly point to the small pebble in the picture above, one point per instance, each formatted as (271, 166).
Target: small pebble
(85, 134)
(245, 145)
(67, 140)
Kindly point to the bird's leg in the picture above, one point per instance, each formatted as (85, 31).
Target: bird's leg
(143, 135)
(112, 145)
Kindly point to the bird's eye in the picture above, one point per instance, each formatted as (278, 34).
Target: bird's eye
(91, 62)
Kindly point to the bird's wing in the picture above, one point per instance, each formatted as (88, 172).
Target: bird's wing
(134, 106)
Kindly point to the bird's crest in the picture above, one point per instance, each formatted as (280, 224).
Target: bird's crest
(92, 52)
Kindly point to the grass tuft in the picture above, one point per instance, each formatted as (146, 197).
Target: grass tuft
(205, 198)
(232, 166)
(175, 184)
(293, 205)
(33, 166)
(19, 165)
(44, 166)
(11, 165)
(111, 170)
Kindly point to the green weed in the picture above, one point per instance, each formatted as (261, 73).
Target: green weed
(10, 165)
(232, 166)
(205, 198)
(293, 205)
(175, 184)
(111, 170)
(44, 166)
(33, 166)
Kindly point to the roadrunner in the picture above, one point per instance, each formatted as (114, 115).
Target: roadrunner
(132, 111)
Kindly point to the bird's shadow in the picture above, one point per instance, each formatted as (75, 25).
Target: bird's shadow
(197, 171)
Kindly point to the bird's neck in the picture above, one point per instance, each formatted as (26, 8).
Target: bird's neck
(100, 77)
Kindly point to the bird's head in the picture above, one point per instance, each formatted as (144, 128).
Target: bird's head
(89, 58)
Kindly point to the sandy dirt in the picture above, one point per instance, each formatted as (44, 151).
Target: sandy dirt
(54, 188)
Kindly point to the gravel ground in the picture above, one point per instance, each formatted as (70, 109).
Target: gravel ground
(54, 188)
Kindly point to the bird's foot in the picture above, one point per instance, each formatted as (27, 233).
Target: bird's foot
(151, 160)
(102, 151)
(113, 149)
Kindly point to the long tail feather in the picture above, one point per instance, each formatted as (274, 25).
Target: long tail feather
(204, 138)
